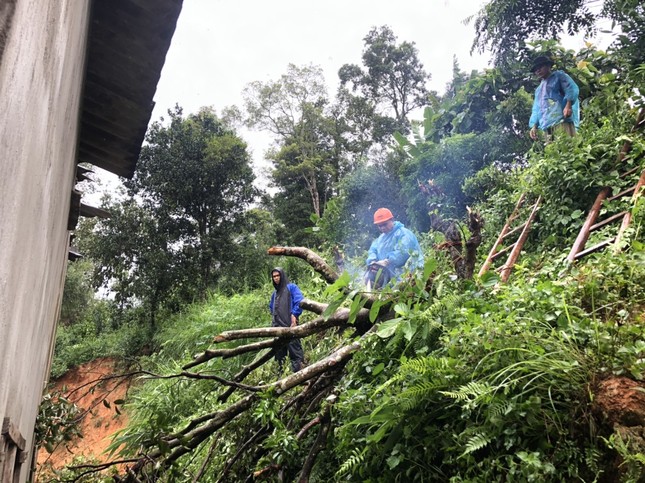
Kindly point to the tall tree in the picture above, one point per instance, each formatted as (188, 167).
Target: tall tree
(134, 257)
(308, 153)
(196, 178)
(173, 235)
(393, 79)
(78, 293)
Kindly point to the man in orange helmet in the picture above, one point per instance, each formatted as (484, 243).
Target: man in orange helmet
(390, 252)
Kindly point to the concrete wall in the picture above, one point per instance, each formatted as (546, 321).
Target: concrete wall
(40, 90)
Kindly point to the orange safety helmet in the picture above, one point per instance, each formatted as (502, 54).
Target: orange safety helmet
(382, 215)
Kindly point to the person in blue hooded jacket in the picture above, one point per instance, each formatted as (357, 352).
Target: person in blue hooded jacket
(389, 253)
(555, 105)
(285, 311)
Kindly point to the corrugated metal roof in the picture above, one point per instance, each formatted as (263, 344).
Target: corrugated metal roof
(128, 42)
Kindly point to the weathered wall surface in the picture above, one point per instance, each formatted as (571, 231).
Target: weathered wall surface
(40, 90)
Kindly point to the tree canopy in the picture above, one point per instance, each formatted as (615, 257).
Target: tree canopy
(507, 26)
(173, 235)
(393, 80)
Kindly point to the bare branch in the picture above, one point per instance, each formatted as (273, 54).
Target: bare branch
(340, 317)
(317, 447)
(305, 429)
(204, 464)
(231, 461)
(266, 471)
(313, 306)
(221, 380)
(245, 371)
(279, 334)
(312, 258)
(98, 467)
(226, 353)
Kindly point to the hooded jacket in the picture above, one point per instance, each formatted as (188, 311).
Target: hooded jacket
(285, 301)
(397, 246)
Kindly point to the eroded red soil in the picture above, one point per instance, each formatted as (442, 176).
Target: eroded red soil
(100, 422)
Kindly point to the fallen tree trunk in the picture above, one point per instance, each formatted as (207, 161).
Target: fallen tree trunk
(316, 381)
(187, 440)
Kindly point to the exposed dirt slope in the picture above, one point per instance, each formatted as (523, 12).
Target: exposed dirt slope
(619, 407)
(99, 422)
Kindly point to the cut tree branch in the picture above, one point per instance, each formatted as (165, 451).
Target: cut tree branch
(316, 382)
(226, 353)
(312, 258)
(186, 441)
(279, 334)
(340, 317)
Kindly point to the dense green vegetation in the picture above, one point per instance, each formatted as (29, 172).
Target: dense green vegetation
(458, 379)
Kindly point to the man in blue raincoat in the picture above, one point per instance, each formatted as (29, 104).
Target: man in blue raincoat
(389, 253)
(285, 311)
(555, 106)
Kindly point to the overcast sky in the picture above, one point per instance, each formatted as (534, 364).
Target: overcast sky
(220, 46)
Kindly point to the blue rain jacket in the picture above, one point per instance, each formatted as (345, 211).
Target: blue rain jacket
(397, 246)
(550, 98)
(296, 298)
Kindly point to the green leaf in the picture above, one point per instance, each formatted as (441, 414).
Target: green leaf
(409, 328)
(342, 282)
(393, 461)
(378, 369)
(429, 267)
(489, 279)
(361, 420)
(374, 310)
(402, 309)
(357, 304)
(386, 329)
(380, 433)
(332, 307)
(476, 442)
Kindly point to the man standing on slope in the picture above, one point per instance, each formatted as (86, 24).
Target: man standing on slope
(285, 310)
(389, 253)
(555, 106)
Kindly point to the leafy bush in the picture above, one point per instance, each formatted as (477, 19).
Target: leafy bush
(89, 340)
(502, 391)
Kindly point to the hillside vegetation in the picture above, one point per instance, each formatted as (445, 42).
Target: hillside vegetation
(444, 377)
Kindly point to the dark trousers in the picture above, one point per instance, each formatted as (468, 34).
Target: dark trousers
(296, 354)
